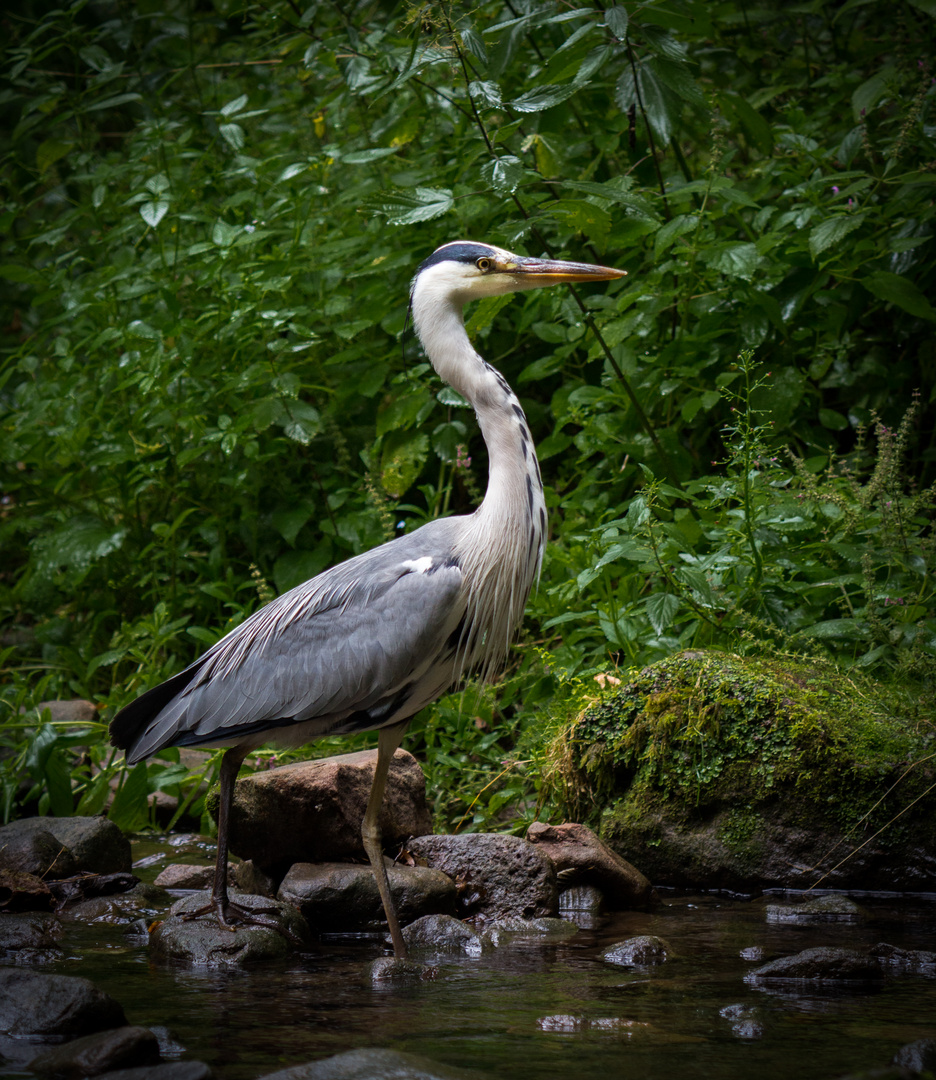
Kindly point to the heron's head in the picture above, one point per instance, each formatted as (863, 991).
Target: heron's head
(463, 271)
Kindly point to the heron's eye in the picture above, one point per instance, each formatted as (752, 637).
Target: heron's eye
(483, 264)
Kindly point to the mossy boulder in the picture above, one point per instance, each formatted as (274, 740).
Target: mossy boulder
(719, 771)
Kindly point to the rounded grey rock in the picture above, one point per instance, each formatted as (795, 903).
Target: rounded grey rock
(640, 951)
(34, 1005)
(820, 965)
(498, 875)
(373, 1064)
(202, 942)
(99, 1053)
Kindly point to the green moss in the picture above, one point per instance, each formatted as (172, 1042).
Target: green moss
(707, 732)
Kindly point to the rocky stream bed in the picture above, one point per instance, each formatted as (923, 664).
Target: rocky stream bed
(531, 958)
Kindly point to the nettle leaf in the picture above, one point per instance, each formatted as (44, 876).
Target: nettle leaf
(233, 135)
(896, 289)
(654, 96)
(77, 543)
(830, 231)
(420, 204)
(503, 174)
(661, 610)
(302, 422)
(616, 20)
(677, 77)
(153, 212)
(734, 259)
(234, 106)
(670, 232)
(474, 43)
(592, 220)
(486, 91)
(297, 168)
(362, 157)
(543, 97)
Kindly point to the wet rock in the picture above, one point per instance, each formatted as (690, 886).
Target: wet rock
(390, 969)
(832, 908)
(919, 1056)
(250, 878)
(496, 875)
(820, 965)
(344, 896)
(120, 909)
(506, 931)
(39, 1006)
(581, 899)
(753, 953)
(745, 1021)
(96, 844)
(202, 942)
(580, 857)
(92, 1055)
(640, 951)
(29, 938)
(24, 892)
(189, 876)
(169, 1070)
(374, 1064)
(312, 811)
(37, 852)
(738, 830)
(904, 961)
(569, 1024)
(441, 933)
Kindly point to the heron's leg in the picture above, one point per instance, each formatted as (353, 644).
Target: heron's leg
(230, 766)
(388, 741)
(231, 915)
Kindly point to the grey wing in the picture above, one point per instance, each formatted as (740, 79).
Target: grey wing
(358, 647)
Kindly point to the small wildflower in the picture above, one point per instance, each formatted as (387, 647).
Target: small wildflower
(835, 189)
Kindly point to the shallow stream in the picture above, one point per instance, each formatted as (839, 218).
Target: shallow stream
(528, 1011)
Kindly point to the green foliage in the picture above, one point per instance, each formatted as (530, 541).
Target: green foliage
(211, 215)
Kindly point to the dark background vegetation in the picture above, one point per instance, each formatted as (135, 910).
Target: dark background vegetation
(211, 214)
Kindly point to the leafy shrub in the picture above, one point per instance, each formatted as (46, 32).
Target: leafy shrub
(211, 218)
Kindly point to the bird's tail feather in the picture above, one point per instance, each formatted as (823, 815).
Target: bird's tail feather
(132, 723)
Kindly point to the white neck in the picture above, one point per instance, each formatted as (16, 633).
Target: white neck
(502, 547)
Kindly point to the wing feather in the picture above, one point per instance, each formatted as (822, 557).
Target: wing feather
(347, 641)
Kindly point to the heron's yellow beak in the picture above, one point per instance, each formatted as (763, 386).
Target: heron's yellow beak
(553, 272)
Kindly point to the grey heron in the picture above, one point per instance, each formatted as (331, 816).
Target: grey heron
(366, 644)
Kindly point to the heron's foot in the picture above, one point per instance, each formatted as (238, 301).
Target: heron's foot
(233, 916)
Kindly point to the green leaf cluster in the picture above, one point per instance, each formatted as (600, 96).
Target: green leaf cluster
(210, 218)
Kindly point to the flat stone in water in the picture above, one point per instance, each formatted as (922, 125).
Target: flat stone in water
(99, 1053)
(639, 951)
(30, 937)
(375, 1065)
(820, 965)
(118, 909)
(441, 933)
(832, 908)
(202, 942)
(344, 896)
(505, 931)
(905, 961)
(389, 968)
